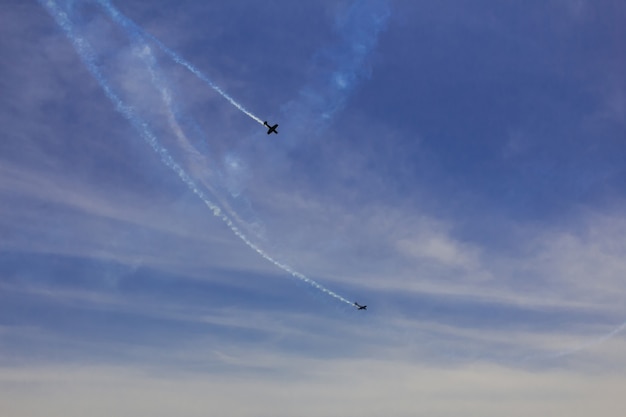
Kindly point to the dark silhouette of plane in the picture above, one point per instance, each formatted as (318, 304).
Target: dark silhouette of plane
(271, 129)
(360, 307)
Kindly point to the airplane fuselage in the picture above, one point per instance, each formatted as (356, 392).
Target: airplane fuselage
(270, 129)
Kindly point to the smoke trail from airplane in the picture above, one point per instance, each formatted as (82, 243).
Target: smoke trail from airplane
(338, 69)
(581, 347)
(591, 343)
(88, 56)
(135, 29)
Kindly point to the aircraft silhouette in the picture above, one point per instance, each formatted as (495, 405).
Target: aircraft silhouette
(360, 307)
(271, 129)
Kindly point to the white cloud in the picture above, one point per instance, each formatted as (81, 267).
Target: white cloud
(587, 262)
(441, 248)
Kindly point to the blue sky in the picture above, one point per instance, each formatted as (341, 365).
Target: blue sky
(456, 166)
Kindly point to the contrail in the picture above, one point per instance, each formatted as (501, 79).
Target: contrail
(134, 29)
(158, 83)
(88, 57)
(340, 67)
(580, 347)
(591, 343)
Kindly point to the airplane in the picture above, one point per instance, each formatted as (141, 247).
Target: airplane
(271, 128)
(360, 307)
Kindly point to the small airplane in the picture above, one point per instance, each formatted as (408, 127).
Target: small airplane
(360, 307)
(271, 129)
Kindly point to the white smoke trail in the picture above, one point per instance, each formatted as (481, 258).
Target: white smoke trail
(158, 83)
(338, 68)
(591, 343)
(135, 29)
(198, 160)
(581, 347)
(88, 57)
